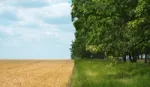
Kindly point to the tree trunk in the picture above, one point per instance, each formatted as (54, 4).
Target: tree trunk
(141, 57)
(138, 56)
(145, 58)
(130, 58)
(124, 58)
(134, 59)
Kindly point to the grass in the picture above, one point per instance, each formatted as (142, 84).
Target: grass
(102, 73)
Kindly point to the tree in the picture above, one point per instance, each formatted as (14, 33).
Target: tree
(113, 27)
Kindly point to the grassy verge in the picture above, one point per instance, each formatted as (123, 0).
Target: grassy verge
(102, 73)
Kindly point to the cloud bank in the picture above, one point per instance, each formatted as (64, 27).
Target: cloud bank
(35, 24)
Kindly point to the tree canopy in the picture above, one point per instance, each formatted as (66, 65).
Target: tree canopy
(113, 27)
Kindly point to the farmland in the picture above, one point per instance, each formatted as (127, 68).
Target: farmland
(35, 73)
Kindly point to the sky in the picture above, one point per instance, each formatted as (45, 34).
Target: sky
(35, 29)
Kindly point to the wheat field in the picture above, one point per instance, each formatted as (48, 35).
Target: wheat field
(35, 73)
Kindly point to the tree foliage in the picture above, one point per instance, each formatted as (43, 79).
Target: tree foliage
(113, 27)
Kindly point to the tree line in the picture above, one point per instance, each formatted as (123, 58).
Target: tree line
(111, 28)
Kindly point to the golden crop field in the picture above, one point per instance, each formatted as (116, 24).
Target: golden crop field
(35, 73)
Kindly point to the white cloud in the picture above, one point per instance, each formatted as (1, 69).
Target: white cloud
(31, 25)
(26, 32)
(6, 30)
(53, 11)
(57, 10)
(27, 15)
(31, 35)
(14, 2)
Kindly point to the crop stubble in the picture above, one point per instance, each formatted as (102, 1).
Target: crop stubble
(37, 73)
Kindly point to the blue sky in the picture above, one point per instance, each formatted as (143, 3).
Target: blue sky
(35, 29)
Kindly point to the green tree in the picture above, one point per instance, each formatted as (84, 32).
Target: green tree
(114, 27)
